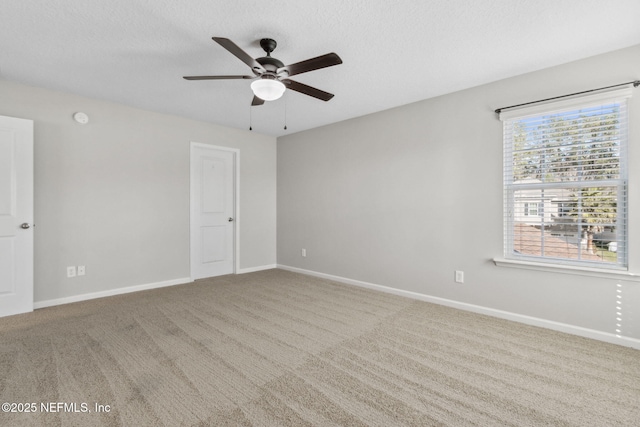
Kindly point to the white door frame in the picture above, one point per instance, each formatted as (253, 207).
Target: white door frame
(236, 196)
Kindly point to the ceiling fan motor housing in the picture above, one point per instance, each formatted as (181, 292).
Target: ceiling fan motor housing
(270, 63)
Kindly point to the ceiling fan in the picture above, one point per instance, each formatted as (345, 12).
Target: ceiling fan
(270, 75)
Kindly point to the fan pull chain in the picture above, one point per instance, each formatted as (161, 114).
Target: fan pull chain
(285, 112)
(250, 118)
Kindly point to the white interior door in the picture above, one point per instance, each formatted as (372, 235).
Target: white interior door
(16, 216)
(212, 211)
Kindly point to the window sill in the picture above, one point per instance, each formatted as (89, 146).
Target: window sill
(568, 269)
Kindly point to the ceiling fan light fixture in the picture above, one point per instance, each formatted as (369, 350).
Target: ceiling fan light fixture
(268, 89)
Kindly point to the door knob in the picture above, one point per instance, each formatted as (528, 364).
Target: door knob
(230, 219)
(25, 225)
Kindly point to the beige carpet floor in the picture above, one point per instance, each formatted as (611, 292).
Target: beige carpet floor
(276, 348)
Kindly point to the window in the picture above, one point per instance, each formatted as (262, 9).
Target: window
(565, 181)
(532, 209)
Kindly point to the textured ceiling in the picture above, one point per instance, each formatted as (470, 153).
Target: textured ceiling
(135, 52)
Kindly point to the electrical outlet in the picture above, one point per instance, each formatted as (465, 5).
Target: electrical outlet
(459, 276)
(303, 252)
(71, 271)
(81, 270)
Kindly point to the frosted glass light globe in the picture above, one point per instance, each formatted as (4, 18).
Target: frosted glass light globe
(268, 89)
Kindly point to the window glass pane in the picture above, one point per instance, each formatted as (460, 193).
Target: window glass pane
(572, 146)
(567, 223)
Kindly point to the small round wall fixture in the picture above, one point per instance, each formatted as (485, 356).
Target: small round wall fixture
(81, 118)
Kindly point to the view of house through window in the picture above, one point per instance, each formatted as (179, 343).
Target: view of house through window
(566, 185)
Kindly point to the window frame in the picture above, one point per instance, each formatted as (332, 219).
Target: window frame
(605, 97)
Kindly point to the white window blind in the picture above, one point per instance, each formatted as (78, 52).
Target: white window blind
(565, 181)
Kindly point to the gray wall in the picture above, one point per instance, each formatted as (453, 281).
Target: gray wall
(113, 194)
(405, 197)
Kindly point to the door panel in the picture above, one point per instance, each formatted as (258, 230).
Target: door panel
(7, 173)
(213, 186)
(7, 262)
(214, 244)
(16, 208)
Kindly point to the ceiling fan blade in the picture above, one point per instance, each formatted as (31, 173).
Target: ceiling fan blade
(217, 77)
(240, 54)
(307, 90)
(328, 60)
(257, 101)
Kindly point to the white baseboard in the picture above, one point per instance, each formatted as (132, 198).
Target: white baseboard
(126, 290)
(528, 320)
(254, 269)
(110, 292)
